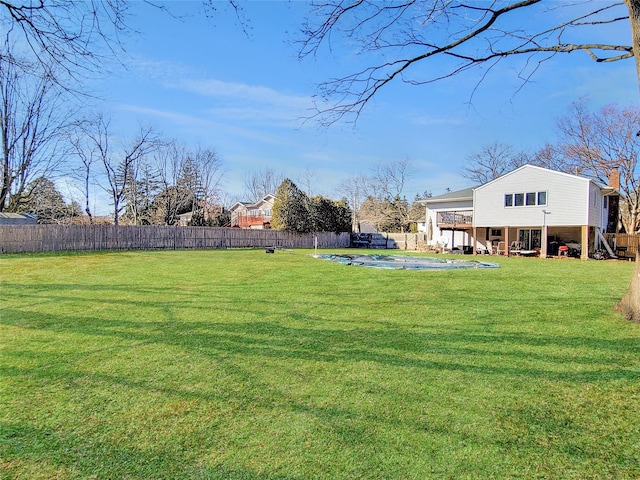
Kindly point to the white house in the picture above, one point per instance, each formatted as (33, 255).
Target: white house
(449, 219)
(530, 209)
(253, 215)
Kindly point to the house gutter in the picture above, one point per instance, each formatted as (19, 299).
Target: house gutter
(444, 200)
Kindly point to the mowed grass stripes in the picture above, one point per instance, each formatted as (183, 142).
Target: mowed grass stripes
(235, 364)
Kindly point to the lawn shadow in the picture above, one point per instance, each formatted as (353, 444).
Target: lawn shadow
(63, 453)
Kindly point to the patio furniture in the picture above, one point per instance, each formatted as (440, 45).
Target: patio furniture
(516, 247)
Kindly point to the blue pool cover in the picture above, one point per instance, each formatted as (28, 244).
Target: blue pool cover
(403, 262)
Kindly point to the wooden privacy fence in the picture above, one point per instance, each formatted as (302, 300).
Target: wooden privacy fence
(408, 241)
(628, 242)
(52, 238)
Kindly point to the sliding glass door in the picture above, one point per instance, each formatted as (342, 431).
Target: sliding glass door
(530, 238)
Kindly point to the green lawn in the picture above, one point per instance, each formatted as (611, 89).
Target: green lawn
(241, 365)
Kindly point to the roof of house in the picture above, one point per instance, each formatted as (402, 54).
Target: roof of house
(464, 194)
(268, 198)
(17, 219)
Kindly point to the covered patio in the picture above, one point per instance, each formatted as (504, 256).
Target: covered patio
(540, 241)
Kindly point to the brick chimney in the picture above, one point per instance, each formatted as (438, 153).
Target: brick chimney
(614, 179)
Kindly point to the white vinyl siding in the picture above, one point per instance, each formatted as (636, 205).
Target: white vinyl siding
(566, 197)
(598, 213)
(458, 238)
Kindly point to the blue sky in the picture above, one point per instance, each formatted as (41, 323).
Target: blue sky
(203, 81)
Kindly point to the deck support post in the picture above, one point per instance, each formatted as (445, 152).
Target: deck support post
(584, 250)
(475, 240)
(506, 241)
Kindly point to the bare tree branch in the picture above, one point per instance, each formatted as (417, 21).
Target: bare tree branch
(68, 35)
(400, 36)
(33, 119)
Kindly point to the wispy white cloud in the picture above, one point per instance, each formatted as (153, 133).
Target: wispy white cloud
(245, 93)
(205, 125)
(230, 100)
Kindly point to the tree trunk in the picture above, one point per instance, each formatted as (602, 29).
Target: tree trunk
(634, 20)
(629, 306)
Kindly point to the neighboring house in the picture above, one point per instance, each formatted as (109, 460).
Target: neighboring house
(184, 219)
(253, 215)
(365, 226)
(208, 210)
(537, 208)
(18, 219)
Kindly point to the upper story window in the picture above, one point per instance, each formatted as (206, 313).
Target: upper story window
(542, 198)
(528, 199)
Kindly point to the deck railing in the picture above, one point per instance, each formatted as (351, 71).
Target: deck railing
(244, 221)
(454, 218)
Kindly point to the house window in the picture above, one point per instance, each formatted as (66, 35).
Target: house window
(519, 199)
(606, 202)
(496, 232)
(529, 199)
(542, 198)
(508, 200)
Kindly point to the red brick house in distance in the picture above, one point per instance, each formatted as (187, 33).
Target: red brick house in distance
(253, 215)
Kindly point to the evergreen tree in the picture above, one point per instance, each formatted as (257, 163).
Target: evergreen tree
(291, 209)
(343, 216)
(327, 215)
(46, 202)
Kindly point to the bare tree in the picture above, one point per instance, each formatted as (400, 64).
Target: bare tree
(492, 161)
(551, 156)
(594, 144)
(379, 197)
(86, 151)
(190, 181)
(203, 172)
(122, 169)
(306, 180)
(388, 182)
(169, 203)
(355, 189)
(33, 118)
(401, 37)
(262, 182)
(389, 179)
(119, 161)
